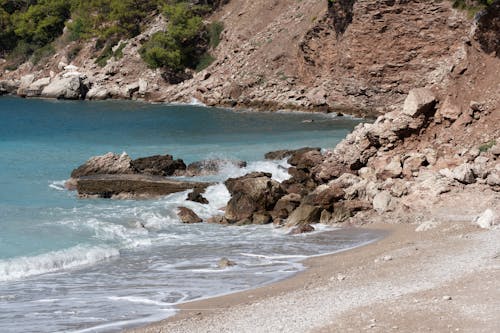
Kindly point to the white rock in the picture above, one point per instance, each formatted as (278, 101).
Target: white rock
(143, 86)
(419, 101)
(427, 225)
(462, 173)
(70, 68)
(487, 219)
(381, 201)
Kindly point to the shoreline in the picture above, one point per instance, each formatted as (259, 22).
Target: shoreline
(360, 278)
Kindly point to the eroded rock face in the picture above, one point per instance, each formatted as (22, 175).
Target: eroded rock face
(253, 193)
(72, 87)
(158, 165)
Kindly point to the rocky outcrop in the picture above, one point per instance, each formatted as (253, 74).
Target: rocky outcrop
(126, 186)
(196, 196)
(253, 196)
(211, 167)
(70, 87)
(158, 165)
(109, 163)
(8, 86)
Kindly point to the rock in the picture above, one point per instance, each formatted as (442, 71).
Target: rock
(367, 174)
(480, 167)
(217, 219)
(286, 205)
(306, 158)
(188, 216)
(345, 209)
(495, 150)
(493, 178)
(419, 101)
(388, 168)
(131, 186)
(143, 86)
(302, 229)
(34, 89)
(382, 201)
(25, 82)
(98, 93)
(254, 192)
(211, 167)
(412, 164)
(158, 165)
(130, 89)
(72, 87)
(109, 163)
(427, 225)
(261, 218)
(325, 217)
(450, 110)
(8, 87)
(462, 173)
(487, 219)
(225, 263)
(303, 215)
(324, 196)
(196, 196)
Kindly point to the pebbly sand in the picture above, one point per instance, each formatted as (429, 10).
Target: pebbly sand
(446, 279)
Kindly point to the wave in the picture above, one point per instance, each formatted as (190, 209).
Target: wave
(80, 255)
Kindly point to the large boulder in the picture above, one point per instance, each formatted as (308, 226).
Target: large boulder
(252, 193)
(34, 89)
(419, 101)
(285, 206)
(158, 165)
(98, 92)
(8, 86)
(109, 163)
(304, 214)
(126, 186)
(72, 87)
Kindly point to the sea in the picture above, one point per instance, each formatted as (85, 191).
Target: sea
(100, 265)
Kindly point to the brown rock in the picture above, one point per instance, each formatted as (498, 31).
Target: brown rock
(302, 229)
(419, 101)
(158, 165)
(304, 214)
(188, 216)
(211, 167)
(225, 263)
(106, 164)
(286, 205)
(412, 164)
(196, 196)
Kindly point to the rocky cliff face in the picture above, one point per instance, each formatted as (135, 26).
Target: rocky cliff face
(360, 57)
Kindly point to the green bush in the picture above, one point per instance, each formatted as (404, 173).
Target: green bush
(214, 31)
(205, 60)
(42, 53)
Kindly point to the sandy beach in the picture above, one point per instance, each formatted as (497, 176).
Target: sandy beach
(446, 279)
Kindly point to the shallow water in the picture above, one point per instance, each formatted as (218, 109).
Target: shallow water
(69, 265)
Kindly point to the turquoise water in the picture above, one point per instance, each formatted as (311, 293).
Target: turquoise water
(68, 264)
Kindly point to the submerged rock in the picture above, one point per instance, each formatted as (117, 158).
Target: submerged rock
(225, 263)
(302, 229)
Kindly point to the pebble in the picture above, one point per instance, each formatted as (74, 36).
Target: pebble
(447, 298)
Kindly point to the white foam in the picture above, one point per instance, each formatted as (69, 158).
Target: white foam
(58, 185)
(139, 300)
(197, 102)
(80, 255)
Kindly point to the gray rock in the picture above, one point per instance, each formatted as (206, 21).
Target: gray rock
(419, 101)
(72, 87)
(98, 93)
(382, 201)
(109, 163)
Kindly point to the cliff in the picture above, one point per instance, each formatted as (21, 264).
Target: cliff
(359, 57)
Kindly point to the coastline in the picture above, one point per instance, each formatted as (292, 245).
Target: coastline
(333, 287)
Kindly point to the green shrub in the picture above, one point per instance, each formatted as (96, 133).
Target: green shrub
(214, 31)
(42, 53)
(205, 60)
(487, 146)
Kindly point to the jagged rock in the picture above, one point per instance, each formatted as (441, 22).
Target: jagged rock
(412, 164)
(261, 218)
(34, 89)
(388, 168)
(303, 215)
(254, 192)
(281, 154)
(302, 229)
(225, 263)
(367, 173)
(487, 219)
(462, 173)
(382, 201)
(188, 216)
(196, 196)
(495, 150)
(8, 86)
(109, 163)
(211, 167)
(131, 186)
(325, 217)
(306, 158)
(345, 209)
(419, 101)
(480, 167)
(449, 110)
(158, 165)
(396, 187)
(143, 86)
(24, 83)
(493, 178)
(324, 196)
(286, 205)
(72, 87)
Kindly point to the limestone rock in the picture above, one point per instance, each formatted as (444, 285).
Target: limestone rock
(188, 216)
(72, 87)
(462, 173)
(487, 219)
(388, 168)
(412, 164)
(382, 201)
(109, 163)
(450, 110)
(419, 101)
(98, 92)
